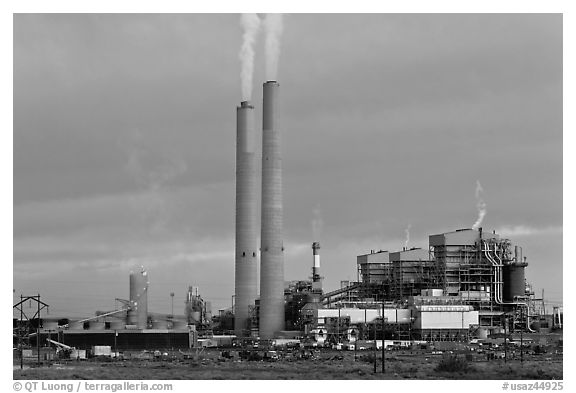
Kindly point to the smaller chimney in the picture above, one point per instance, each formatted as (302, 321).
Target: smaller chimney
(316, 279)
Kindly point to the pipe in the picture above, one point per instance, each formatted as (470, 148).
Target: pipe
(497, 295)
(499, 283)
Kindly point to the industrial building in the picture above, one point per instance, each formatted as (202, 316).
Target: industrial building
(466, 283)
(130, 327)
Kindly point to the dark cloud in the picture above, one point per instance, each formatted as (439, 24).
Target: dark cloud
(124, 142)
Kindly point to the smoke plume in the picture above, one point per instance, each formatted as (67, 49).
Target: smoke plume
(153, 171)
(407, 230)
(317, 224)
(480, 205)
(273, 26)
(251, 25)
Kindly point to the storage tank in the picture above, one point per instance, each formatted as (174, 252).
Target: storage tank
(138, 314)
(514, 283)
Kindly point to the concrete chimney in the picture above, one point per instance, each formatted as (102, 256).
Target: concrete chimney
(246, 258)
(272, 246)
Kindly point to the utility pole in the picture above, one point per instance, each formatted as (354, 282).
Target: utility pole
(20, 334)
(383, 341)
(505, 339)
(338, 328)
(49, 343)
(375, 347)
(38, 330)
(172, 305)
(355, 335)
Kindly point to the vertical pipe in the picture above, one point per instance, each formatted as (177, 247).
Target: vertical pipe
(521, 337)
(246, 259)
(20, 333)
(375, 348)
(383, 340)
(505, 339)
(272, 247)
(38, 330)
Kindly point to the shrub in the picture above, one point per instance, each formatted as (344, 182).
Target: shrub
(452, 363)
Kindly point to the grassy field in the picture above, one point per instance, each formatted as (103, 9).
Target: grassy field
(328, 365)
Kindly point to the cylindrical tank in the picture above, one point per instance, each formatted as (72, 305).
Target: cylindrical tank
(96, 325)
(514, 283)
(138, 314)
(272, 245)
(246, 257)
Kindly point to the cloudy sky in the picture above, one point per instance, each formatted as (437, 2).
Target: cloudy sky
(124, 145)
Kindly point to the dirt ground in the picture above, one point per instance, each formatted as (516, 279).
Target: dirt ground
(325, 365)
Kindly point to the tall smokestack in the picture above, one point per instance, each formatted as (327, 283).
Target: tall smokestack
(272, 247)
(246, 211)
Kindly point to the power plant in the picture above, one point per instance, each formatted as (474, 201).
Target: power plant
(463, 286)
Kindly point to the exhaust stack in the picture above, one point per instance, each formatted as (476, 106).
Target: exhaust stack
(246, 223)
(272, 247)
(316, 278)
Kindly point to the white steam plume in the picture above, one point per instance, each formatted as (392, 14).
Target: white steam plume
(273, 26)
(480, 205)
(251, 25)
(407, 230)
(317, 224)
